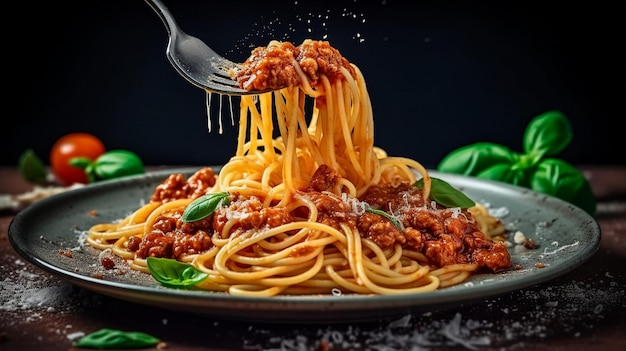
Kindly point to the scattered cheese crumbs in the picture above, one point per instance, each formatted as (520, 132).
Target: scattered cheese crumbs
(75, 335)
(19, 201)
(499, 212)
(519, 238)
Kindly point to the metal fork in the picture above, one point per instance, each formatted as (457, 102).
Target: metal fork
(194, 60)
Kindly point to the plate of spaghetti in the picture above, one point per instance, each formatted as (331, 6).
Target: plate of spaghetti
(308, 221)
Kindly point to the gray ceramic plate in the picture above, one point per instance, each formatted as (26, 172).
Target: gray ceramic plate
(565, 235)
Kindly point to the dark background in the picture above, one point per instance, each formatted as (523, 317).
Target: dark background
(441, 74)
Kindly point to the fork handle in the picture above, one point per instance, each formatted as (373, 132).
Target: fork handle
(164, 14)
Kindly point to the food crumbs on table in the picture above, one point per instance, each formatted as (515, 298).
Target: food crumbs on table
(162, 345)
(324, 345)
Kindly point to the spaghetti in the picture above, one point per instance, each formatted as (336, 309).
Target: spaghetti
(310, 205)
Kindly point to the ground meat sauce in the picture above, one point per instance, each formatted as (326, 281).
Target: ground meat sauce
(177, 187)
(445, 236)
(170, 237)
(274, 67)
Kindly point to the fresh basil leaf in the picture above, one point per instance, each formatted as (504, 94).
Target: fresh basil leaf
(116, 164)
(445, 194)
(547, 134)
(391, 218)
(507, 174)
(204, 206)
(86, 165)
(173, 273)
(474, 158)
(560, 179)
(116, 339)
(31, 167)
(80, 162)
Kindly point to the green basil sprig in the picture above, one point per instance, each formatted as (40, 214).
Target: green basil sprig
(116, 339)
(204, 206)
(445, 194)
(111, 164)
(173, 273)
(32, 167)
(546, 135)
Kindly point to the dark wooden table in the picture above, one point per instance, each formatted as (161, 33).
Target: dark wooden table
(582, 310)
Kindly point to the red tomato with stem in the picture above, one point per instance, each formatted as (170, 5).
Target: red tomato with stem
(70, 146)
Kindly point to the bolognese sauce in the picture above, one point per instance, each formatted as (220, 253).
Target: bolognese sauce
(276, 66)
(444, 235)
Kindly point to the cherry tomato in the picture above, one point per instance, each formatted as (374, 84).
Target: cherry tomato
(70, 146)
